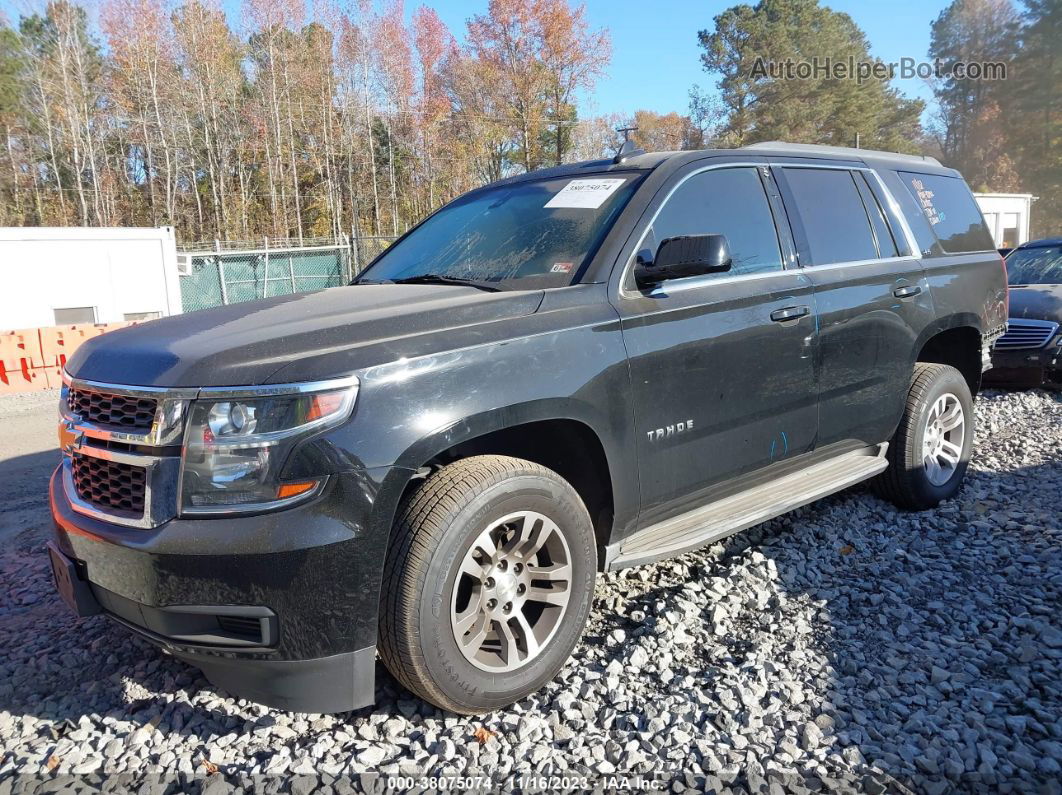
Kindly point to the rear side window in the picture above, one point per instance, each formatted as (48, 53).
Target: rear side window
(836, 227)
(925, 240)
(951, 211)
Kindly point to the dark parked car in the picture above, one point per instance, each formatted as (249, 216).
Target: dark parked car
(574, 370)
(1030, 353)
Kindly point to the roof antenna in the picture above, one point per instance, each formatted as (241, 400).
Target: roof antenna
(628, 149)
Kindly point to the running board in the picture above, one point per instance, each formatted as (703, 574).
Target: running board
(719, 519)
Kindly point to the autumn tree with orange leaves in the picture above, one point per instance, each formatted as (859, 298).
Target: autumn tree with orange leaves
(310, 121)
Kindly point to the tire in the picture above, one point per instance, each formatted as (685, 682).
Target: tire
(440, 575)
(911, 481)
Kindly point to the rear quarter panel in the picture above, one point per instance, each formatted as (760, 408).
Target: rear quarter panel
(968, 290)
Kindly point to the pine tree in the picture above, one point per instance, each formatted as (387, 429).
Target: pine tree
(825, 110)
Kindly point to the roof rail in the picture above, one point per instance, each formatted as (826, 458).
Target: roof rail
(820, 149)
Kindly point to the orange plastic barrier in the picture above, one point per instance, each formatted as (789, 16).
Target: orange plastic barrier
(27, 380)
(58, 343)
(21, 346)
(33, 359)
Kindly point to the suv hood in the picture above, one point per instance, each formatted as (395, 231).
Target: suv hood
(1037, 302)
(250, 343)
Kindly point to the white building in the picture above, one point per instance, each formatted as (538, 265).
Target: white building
(1007, 216)
(59, 276)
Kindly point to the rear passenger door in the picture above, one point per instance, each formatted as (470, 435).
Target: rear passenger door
(721, 388)
(871, 294)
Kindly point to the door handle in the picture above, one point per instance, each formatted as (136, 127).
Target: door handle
(910, 291)
(789, 313)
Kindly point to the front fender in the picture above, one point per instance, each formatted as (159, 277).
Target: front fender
(470, 427)
(411, 410)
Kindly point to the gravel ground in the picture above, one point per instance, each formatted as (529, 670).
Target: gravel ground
(845, 646)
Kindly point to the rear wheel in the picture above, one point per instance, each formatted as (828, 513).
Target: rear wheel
(930, 451)
(488, 583)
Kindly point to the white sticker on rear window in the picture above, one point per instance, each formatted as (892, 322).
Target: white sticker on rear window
(585, 193)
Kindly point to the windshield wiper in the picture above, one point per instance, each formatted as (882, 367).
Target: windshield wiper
(438, 278)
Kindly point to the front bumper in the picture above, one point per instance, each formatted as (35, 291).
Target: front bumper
(1026, 368)
(280, 608)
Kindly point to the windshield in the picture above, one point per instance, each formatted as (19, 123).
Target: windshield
(1041, 265)
(527, 235)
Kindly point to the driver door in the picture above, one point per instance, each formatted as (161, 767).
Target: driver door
(722, 365)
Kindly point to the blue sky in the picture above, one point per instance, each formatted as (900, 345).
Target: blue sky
(655, 57)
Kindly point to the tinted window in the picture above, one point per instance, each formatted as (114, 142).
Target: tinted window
(835, 221)
(882, 234)
(538, 233)
(927, 242)
(727, 201)
(951, 211)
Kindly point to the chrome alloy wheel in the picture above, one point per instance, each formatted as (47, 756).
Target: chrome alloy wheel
(511, 592)
(942, 439)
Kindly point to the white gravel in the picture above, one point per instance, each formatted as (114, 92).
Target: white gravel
(845, 646)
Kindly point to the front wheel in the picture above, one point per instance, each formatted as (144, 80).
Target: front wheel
(488, 583)
(930, 451)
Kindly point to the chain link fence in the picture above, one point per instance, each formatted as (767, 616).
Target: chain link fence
(228, 274)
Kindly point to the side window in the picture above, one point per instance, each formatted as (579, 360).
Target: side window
(951, 211)
(927, 242)
(724, 201)
(836, 227)
(882, 234)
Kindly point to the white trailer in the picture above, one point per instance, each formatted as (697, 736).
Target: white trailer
(1007, 216)
(59, 276)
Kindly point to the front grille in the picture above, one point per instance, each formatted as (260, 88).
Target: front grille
(129, 413)
(1023, 334)
(109, 485)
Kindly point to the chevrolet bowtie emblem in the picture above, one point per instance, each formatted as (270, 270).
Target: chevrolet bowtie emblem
(69, 438)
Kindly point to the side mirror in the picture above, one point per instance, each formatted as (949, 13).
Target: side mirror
(679, 257)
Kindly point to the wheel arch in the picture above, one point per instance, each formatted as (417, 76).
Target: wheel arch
(956, 341)
(547, 432)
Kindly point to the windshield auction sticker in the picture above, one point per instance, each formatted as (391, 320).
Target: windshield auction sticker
(585, 193)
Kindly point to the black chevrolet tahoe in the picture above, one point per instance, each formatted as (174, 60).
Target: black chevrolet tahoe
(570, 371)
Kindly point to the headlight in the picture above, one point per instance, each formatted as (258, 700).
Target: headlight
(237, 442)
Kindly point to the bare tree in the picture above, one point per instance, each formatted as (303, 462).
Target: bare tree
(342, 119)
